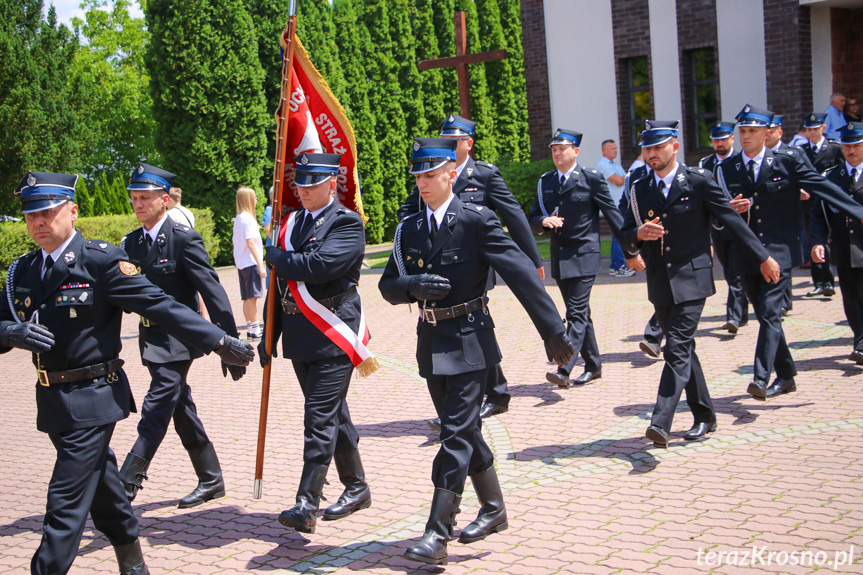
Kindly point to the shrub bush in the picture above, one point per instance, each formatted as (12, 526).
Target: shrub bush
(522, 177)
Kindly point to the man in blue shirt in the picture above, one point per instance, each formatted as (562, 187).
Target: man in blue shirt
(835, 117)
(614, 175)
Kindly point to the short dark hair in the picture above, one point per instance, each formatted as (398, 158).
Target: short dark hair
(604, 142)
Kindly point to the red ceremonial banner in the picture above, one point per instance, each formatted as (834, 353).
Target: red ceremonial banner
(318, 123)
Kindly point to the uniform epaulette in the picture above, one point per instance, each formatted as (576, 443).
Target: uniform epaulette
(592, 171)
(696, 170)
(830, 169)
(180, 228)
(482, 163)
(342, 210)
(787, 151)
(548, 173)
(100, 245)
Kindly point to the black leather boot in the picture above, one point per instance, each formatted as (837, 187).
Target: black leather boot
(133, 473)
(357, 494)
(211, 485)
(130, 559)
(432, 547)
(492, 514)
(302, 515)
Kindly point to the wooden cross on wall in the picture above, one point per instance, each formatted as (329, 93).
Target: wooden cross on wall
(460, 61)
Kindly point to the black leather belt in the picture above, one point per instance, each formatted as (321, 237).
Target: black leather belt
(48, 378)
(434, 315)
(290, 307)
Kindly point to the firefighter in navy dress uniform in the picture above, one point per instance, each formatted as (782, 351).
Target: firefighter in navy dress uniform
(844, 235)
(441, 258)
(172, 256)
(323, 247)
(823, 154)
(669, 222)
(770, 183)
(481, 183)
(569, 200)
(64, 302)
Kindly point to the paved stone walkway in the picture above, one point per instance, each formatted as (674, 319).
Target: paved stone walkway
(585, 491)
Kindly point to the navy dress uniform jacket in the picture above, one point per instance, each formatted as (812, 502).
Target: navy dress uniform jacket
(775, 214)
(82, 305)
(480, 183)
(684, 270)
(575, 247)
(830, 155)
(178, 263)
(845, 235)
(328, 257)
(470, 240)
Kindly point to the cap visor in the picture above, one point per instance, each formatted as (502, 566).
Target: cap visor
(423, 167)
(144, 187)
(308, 180)
(39, 205)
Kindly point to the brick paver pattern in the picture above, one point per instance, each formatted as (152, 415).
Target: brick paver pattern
(585, 492)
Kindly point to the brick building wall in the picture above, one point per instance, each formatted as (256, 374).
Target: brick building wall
(846, 30)
(696, 28)
(630, 20)
(536, 77)
(788, 52)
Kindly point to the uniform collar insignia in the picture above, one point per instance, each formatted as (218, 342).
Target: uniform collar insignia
(69, 257)
(450, 217)
(680, 177)
(319, 222)
(769, 161)
(738, 165)
(469, 171)
(420, 223)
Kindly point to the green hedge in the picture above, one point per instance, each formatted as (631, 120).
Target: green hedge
(522, 177)
(15, 241)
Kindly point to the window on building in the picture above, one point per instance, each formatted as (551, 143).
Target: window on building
(638, 92)
(703, 101)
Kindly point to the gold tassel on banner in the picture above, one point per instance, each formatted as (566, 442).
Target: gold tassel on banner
(368, 366)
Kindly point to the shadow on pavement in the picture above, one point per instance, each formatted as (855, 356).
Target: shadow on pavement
(731, 405)
(630, 450)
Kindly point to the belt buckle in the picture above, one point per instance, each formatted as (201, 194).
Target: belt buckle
(43, 377)
(145, 322)
(429, 316)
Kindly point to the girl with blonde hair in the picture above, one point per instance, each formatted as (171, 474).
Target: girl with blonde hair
(248, 257)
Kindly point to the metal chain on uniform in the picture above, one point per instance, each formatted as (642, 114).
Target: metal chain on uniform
(10, 279)
(397, 253)
(720, 177)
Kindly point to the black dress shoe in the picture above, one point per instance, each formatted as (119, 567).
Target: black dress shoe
(857, 356)
(828, 290)
(489, 409)
(731, 326)
(559, 378)
(657, 435)
(758, 389)
(434, 423)
(699, 430)
(780, 386)
(587, 377)
(816, 292)
(650, 348)
(785, 312)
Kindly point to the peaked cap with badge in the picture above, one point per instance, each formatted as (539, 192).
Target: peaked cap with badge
(44, 190)
(721, 130)
(815, 120)
(457, 127)
(314, 168)
(564, 137)
(658, 132)
(150, 178)
(752, 116)
(431, 153)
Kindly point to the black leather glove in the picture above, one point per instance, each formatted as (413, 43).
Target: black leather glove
(30, 336)
(235, 352)
(237, 372)
(272, 255)
(263, 355)
(428, 287)
(559, 349)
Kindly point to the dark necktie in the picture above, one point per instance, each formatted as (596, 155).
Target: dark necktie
(853, 176)
(149, 240)
(433, 228)
(562, 181)
(752, 170)
(307, 223)
(662, 188)
(49, 265)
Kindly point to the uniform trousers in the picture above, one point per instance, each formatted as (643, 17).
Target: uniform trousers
(653, 331)
(495, 387)
(576, 296)
(85, 479)
(851, 284)
(771, 350)
(736, 305)
(821, 272)
(682, 370)
(457, 400)
(169, 397)
(327, 420)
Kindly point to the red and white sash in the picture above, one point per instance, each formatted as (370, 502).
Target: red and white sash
(328, 323)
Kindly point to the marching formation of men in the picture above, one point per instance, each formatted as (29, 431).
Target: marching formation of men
(66, 300)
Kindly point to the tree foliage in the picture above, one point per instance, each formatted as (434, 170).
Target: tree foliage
(37, 128)
(208, 99)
